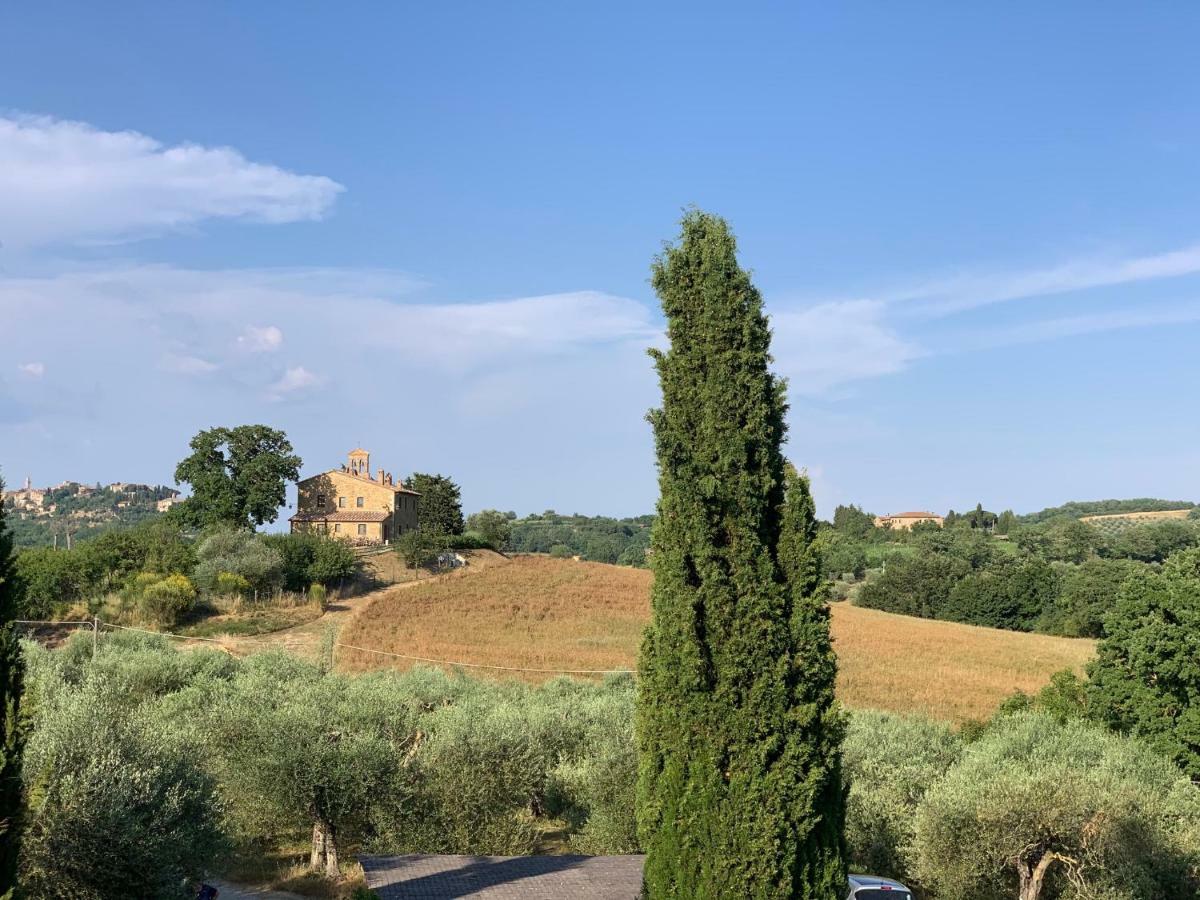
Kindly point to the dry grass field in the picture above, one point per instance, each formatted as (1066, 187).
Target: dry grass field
(560, 614)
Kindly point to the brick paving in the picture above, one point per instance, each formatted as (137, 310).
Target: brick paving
(421, 877)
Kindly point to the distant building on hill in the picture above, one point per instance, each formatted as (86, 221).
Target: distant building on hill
(907, 520)
(27, 499)
(348, 503)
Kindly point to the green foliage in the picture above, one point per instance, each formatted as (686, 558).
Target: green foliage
(310, 558)
(51, 580)
(12, 732)
(493, 525)
(440, 506)
(1093, 814)
(165, 601)
(1145, 679)
(1065, 697)
(1012, 596)
(1154, 542)
(561, 551)
(1087, 593)
(594, 538)
(238, 477)
(917, 585)
(890, 762)
(733, 729)
(843, 556)
(420, 547)
(852, 522)
(241, 553)
(117, 805)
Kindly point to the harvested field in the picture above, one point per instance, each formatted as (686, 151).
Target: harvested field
(560, 614)
(1139, 518)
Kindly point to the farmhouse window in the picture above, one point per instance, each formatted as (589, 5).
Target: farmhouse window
(320, 499)
(358, 501)
(337, 526)
(341, 501)
(362, 530)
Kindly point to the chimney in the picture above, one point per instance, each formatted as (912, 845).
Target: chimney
(380, 475)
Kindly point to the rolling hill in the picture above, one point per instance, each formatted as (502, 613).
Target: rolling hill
(561, 614)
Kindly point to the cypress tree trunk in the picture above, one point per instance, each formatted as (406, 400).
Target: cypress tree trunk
(10, 731)
(738, 788)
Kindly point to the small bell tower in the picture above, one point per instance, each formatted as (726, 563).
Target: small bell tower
(360, 463)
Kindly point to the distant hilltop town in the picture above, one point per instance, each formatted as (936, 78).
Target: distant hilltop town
(70, 509)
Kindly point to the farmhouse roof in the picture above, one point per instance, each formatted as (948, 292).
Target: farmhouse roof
(347, 515)
(918, 514)
(395, 486)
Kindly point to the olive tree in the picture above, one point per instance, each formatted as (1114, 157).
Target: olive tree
(890, 761)
(118, 806)
(1040, 808)
(301, 748)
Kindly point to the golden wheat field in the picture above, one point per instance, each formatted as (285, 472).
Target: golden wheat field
(561, 614)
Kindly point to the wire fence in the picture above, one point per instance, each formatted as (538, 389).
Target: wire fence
(96, 625)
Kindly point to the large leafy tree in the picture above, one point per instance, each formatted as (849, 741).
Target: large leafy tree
(238, 476)
(1039, 808)
(440, 507)
(737, 790)
(1145, 679)
(10, 697)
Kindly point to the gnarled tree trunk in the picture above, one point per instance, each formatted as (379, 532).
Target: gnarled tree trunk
(1032, 876)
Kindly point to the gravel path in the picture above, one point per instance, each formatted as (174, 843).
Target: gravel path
(420, 877)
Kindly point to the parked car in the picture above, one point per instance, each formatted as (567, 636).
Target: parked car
(872, 887)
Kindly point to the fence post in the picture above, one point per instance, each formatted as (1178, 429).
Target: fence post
(95, 633)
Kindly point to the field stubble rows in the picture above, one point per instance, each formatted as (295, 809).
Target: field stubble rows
(541, 613)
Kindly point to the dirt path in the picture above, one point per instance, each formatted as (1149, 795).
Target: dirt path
(241, 892)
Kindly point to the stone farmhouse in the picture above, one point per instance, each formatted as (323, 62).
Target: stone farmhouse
(349, 503)
(906, 520)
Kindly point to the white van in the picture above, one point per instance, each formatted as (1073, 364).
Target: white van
(871, 887)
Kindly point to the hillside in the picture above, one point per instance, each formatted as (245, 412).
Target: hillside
(40, 516)
(547, 613)
(1086, 509)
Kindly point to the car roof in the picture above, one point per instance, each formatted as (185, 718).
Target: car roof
(874, 881)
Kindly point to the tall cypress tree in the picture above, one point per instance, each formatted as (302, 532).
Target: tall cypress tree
(738, 788)
(10, 696)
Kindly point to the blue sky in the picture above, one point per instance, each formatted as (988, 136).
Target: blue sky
(426, 229)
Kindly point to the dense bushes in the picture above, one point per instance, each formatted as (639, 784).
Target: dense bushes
(146, 760)
(1042, 808)
(284, 752)
(1145, 679)
(117, 805)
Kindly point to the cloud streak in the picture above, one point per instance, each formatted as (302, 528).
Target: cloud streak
(69, 182)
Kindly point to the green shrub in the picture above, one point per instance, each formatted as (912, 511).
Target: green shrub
(890, 761)
(165, 601)
(117, 806)
(1099, 815)
(317, 593)
(230, 584)
(561, 551)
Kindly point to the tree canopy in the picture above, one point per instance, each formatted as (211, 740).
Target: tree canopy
(440, 507)
(238, 477)
(737, 737)
(1145, 679)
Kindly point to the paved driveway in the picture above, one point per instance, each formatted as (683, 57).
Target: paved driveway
(422, 877)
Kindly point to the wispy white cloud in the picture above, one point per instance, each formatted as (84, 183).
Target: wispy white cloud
(32, 369)
(183, 364)
(1052, 329)
(834, 343)
(265, 339)
(65, 181)
(293, 380)
(966, 291)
